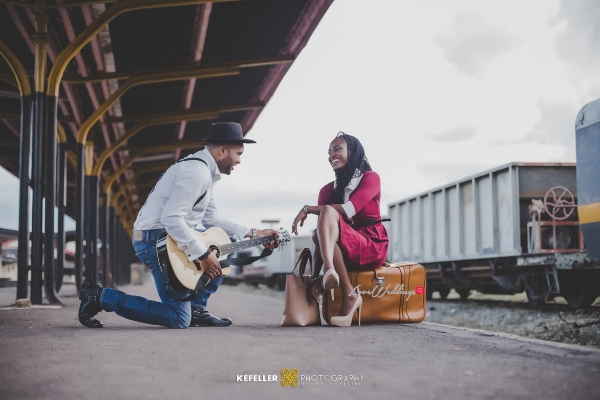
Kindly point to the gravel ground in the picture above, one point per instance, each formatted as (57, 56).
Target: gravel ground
(512, 314)
(499, 313)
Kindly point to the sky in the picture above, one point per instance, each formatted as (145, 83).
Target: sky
(435, 91)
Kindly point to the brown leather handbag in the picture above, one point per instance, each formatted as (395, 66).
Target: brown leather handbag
(391, 294)
(300, 309)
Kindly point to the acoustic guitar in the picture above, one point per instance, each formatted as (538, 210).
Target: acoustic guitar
(184, 275)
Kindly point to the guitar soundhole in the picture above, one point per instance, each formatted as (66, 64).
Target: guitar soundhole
(213, 247)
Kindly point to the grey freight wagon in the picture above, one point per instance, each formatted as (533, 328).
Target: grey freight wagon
(506, 230)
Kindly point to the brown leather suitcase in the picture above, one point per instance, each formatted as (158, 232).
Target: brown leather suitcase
(391, 294)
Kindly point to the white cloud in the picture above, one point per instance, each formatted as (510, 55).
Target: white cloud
(458, 134)
(555, 127)
(578, 44)
(472, 43)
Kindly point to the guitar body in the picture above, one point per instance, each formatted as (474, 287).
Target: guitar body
(186, 273)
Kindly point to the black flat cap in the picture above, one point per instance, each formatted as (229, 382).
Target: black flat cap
(226, 132)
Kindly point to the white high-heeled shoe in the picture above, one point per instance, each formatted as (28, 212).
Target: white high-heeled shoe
(331, 280)
(347, 319)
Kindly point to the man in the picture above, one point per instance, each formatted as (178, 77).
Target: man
(181, 200)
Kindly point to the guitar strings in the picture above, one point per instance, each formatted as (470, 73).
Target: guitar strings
(244, 244)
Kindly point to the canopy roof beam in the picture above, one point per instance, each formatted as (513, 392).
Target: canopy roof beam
(109, 76)
(183, 113)
(96, 26)
(174, 74)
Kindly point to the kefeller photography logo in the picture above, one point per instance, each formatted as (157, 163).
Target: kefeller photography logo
(289, 377)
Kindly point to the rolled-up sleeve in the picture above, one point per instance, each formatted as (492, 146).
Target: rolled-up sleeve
(211, 218)
(189, 184)
(349, 208)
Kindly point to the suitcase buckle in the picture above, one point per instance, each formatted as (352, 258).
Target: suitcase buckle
(379, 281)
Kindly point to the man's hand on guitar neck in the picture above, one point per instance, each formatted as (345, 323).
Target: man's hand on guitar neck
(266, 232)
(211, 266)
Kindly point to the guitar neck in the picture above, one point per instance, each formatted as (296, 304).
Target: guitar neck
(246, 244)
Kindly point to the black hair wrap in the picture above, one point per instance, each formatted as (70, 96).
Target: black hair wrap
(357, 165)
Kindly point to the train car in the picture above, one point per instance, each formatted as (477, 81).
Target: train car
(511, 229)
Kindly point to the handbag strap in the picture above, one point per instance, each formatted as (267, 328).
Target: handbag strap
(303, 258)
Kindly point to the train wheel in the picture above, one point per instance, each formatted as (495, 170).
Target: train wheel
(581, 298)
(579, 288)
(444, 293)
(463, 293)
(537, 290)
(534, 302)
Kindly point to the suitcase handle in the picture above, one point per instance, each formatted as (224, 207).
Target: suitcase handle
(380, 275)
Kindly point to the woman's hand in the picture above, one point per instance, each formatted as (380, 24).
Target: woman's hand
(299, 219)
(315, 290)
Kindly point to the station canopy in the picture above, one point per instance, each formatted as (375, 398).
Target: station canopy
(194, 65)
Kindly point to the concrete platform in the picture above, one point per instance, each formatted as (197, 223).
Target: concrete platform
(47, 354)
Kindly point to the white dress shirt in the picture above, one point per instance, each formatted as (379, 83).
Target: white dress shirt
(170, 205)
(348, 206)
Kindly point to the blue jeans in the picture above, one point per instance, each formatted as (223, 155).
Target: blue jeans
(170, 312)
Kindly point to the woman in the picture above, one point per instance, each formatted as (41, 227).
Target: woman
(349, 234)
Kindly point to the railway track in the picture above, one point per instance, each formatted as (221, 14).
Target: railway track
(524, 305)
(557, 323)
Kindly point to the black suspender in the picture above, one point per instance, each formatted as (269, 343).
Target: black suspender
(191, 158)
(197, 159)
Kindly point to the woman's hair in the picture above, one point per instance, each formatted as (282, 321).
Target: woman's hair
(357, 165)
